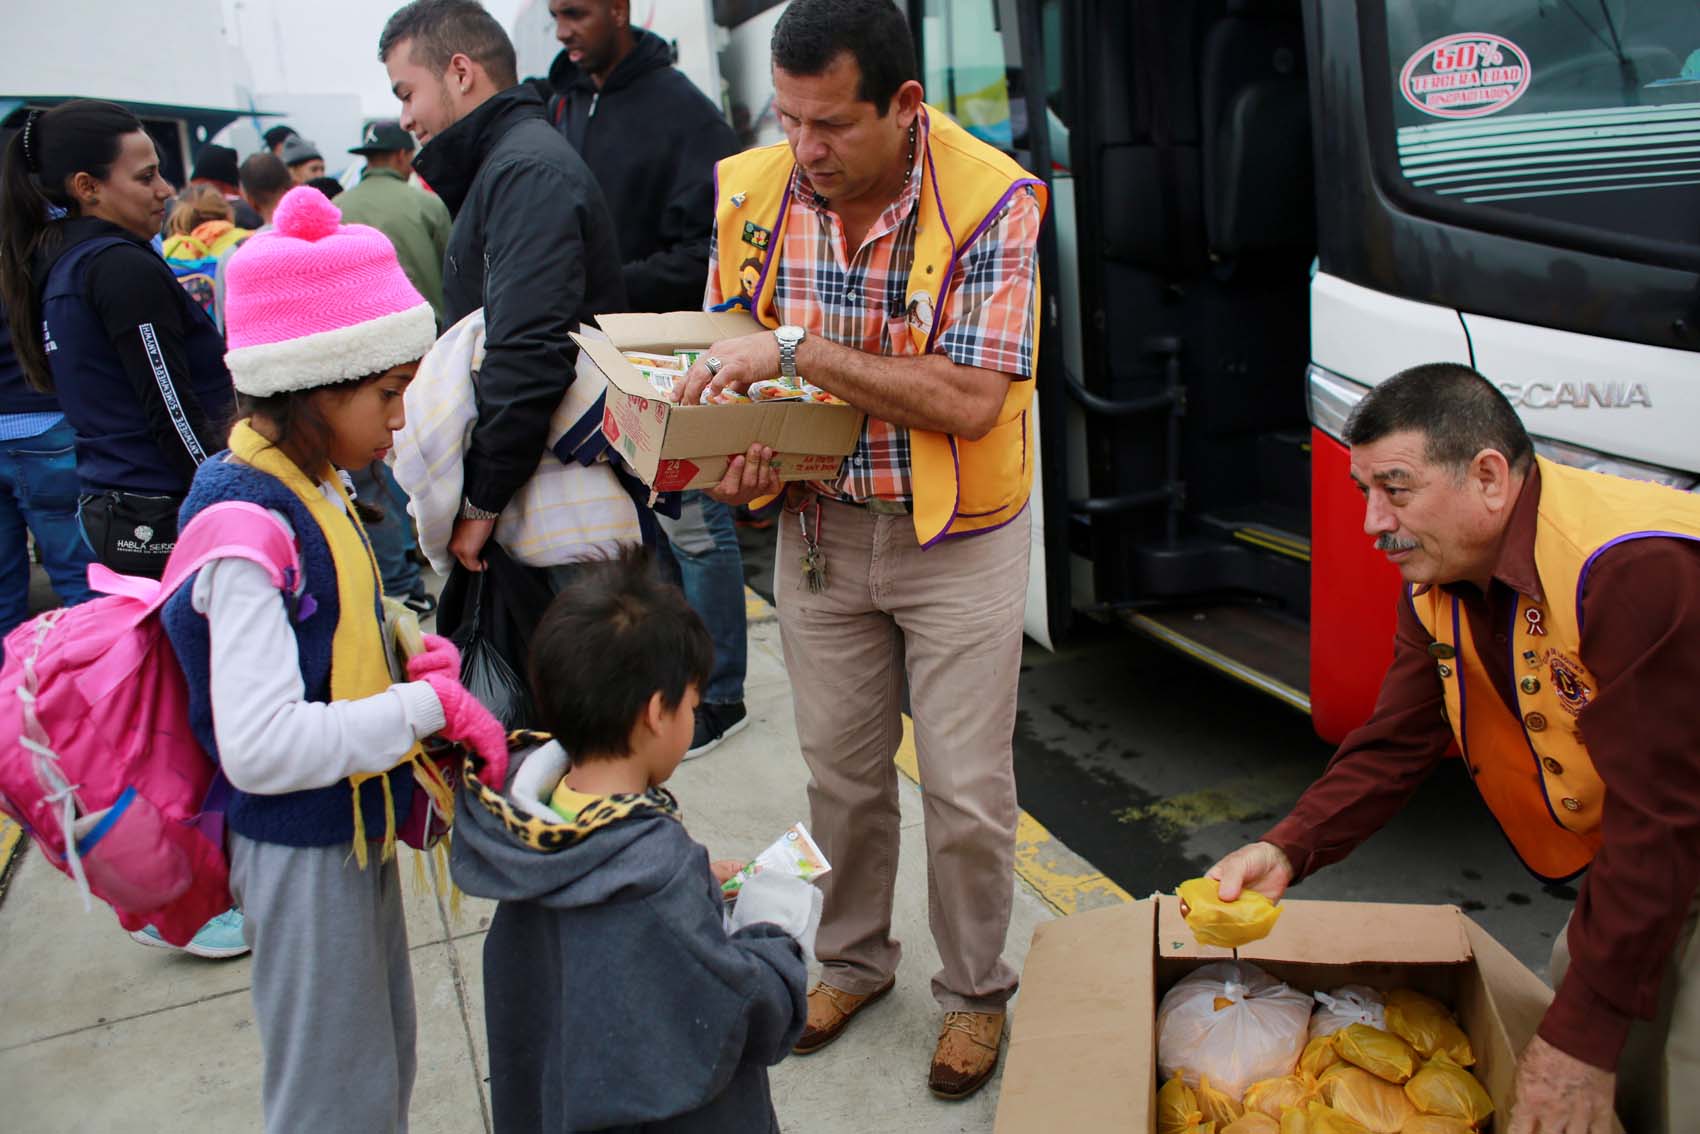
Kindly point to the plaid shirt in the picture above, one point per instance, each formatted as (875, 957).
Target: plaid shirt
(861, 302)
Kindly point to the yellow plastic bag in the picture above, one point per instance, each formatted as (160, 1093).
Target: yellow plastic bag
(1444, 1088)
(1295, 1120)
(1177, 1110)
(1319, 1055)
(1275, 1096)
(1321, 1119)
(1228, 924)
(1426, 1025)
(1436, 1124)
(1376, 1104)
(1382, 1054)
(1217, 1105)
(1251, 1122)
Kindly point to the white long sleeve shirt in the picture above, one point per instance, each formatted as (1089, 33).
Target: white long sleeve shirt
(271, 739)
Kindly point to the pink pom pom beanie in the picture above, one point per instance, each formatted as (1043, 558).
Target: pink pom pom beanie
(314, 302)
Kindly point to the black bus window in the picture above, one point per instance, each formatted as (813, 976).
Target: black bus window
(1587, 113)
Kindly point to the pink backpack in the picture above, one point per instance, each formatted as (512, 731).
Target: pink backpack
(97, 757)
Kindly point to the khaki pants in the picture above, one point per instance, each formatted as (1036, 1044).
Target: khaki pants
(1660, 1065)
(950, 618)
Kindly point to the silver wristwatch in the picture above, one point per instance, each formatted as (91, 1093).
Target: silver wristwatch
(789, 337)
(471, 511)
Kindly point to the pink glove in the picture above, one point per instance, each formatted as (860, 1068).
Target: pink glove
(440, 656)
(467, 721)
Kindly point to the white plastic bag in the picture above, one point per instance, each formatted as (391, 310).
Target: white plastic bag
(1347, 1005)
(1257, 1032)
(790, 903)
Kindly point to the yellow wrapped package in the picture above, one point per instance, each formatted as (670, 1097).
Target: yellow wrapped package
(1321, 1119)
(1444, 1088)
(1426, 1025)
(1376, 1104)
(1319, 1055)
(1218, 1106)
(1177, 1110)
(1436, 1124)
(1382, 1054)
(1274, 1096)
(1228, 924)
(1251, 1122)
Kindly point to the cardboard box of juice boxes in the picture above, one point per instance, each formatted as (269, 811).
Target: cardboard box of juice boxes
(1083, 1048)
(672, 447)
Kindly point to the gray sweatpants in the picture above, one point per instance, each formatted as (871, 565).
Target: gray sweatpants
(333, 987)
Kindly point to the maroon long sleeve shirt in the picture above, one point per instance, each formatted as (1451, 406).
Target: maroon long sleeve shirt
(1641, 641)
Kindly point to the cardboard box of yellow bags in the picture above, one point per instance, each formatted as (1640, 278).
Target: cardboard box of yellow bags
(672, 447)
(1083, 1049)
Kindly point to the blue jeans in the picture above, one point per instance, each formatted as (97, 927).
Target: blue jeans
(38, 490)
(704, 544)
(392, 537)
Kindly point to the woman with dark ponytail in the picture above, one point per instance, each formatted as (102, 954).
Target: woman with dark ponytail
(98, 318)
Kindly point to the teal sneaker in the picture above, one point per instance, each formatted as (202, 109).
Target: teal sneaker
(219, 938)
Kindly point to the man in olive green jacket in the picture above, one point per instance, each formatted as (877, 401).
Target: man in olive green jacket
(417, 222)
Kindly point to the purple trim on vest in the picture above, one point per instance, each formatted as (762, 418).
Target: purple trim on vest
(773, 246)
(956, 501)
(950, 266)
(1582, 579)
(979, 531)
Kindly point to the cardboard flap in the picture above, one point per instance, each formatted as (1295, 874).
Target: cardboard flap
(620, 373)
(1082, 1025)
(786, 427)
(1334, 933)
(675, 329)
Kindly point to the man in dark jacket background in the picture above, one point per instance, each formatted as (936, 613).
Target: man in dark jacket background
(651, 138)
(532, 242)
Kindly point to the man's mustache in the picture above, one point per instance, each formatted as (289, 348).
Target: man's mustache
(1387, 541)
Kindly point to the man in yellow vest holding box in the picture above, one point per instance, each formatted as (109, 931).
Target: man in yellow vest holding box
(895, 257)
(1551, 630)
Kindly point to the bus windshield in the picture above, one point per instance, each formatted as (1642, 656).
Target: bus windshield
(1581, 111)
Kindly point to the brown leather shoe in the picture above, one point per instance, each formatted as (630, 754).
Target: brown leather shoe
(967, 1053)
(830, 1010)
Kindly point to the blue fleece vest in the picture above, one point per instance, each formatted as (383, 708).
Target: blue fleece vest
(322, 816)
(114, 448)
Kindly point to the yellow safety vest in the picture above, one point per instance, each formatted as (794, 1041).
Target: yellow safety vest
(961, 487)
(1533, 769)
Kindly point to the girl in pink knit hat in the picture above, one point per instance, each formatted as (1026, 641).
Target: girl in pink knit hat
(291, 690)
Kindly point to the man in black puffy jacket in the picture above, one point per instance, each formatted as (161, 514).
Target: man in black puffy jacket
(651, 138)
(532, 242)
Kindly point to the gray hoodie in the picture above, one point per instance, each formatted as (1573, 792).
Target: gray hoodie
(613, 998)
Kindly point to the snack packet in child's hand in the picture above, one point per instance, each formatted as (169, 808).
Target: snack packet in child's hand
(793, 853)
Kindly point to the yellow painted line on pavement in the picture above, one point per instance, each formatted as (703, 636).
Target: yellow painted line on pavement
(756, 608)
(11, 838)
(1250, 797)
(1040, 859)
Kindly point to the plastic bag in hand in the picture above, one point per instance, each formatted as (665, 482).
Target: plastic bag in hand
(1426, 1025)
(1252, 1122)
(1347, 1005)
(1376, 1104)
(1382, 1054)
(1234, 1022)
(1273, 1096)
(1177, 1108)
(1444, 1088)
(1227, 924)
(779, 899)
(1318, 1056)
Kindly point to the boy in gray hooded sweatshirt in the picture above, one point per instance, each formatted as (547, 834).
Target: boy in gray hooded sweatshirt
(614, 997)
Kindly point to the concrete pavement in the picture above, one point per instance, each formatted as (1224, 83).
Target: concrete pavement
(100, 1034)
